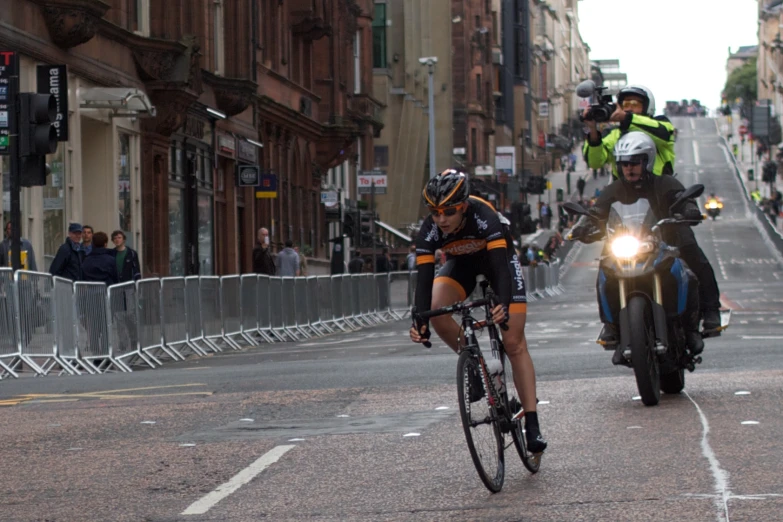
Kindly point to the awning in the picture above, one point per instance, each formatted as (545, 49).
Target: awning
(123, 101)
(393, 231)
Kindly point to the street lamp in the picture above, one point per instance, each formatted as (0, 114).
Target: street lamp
(430, 62)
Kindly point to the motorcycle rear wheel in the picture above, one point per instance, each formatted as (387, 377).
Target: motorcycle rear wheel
(643, 358)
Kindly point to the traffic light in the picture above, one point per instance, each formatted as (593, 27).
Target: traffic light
(37, 136)
(351, 226)
(366, 229)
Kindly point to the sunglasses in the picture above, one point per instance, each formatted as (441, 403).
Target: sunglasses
(448, 211)
(630, 104)
(630, 162)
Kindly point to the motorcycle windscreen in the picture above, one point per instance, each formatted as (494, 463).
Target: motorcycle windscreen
(635, 219)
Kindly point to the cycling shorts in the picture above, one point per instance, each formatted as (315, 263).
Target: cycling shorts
(460, 272)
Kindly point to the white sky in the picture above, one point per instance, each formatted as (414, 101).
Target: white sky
(677, 48)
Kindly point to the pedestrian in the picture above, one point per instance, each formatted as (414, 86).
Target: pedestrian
(410, 261)
(263, 262)
(302, 262)
(86, 249)
(580, 187)
(288, 260)
(356, 264)
(101, 264)
(28, 256)
(67, 262)
(128, 267)
(383, 262)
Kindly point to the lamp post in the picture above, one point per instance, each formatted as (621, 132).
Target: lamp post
(430, 62)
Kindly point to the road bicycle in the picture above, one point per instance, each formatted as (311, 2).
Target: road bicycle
(487, 407)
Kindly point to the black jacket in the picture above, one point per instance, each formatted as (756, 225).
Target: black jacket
(131, 270)
(101, 266)
(663, 191)
(67, 262)
(263, 262)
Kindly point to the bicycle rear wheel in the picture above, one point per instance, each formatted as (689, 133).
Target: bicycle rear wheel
(531, 462)
(480, 422)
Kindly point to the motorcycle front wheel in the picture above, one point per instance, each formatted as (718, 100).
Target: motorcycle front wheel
(643, 358)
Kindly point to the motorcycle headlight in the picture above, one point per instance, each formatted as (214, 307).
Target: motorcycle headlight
(712, 204)
(626, 247)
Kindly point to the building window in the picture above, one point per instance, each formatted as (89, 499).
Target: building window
(381, 153)
(478, 88)
(477, 21)
(357, 62)
(138, 16)
(219, 40)
(125, 201)
(474, 146)
(379, 37)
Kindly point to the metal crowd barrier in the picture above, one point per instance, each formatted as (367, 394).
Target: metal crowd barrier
(50, 324)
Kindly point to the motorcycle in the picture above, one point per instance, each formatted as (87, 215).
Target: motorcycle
(652, 287)
(713, 208)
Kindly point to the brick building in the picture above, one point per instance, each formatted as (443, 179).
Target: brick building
(165, 99)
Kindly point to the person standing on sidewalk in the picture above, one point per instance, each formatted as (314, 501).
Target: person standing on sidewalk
(28, 256)
(101, 264)
(263, 262)
(288, 260)
(67, 262)
(128, 267)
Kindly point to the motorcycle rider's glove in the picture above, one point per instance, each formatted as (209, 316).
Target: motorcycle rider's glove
(691, 213)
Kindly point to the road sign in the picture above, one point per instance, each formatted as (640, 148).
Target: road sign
(365, 180)
(329, 198)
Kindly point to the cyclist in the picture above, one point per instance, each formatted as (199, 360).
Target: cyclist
(469, 231)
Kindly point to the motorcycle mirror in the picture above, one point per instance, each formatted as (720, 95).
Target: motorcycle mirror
(585, 89)
(575, 208)
(694, 191)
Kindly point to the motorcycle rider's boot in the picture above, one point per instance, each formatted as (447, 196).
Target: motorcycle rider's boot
(693, 338)
(711, 320)
(608, 336)
(618, 359)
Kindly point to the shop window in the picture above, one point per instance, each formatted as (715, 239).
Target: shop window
(176, 232)
(205, 234)
(124, 189)
(379, 37)
(53, 208)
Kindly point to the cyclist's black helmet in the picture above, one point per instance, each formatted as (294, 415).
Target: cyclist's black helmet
(447, 189)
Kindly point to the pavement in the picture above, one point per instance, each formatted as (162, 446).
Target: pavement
(363, 426)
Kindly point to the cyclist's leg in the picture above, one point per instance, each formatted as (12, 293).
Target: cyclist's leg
(449, 287)
(515, 344)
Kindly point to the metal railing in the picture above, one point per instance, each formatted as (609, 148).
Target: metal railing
(53, 325)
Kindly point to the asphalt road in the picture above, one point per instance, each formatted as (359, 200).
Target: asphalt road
(364, 426)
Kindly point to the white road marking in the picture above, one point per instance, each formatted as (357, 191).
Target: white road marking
(204, 504)
(696, 158)
(412, 434)
(633, 428)
(246, 420)
(742, 392)
(719, 475)
(769, 337)
(148, 422)
(749, 423)
(442, 408)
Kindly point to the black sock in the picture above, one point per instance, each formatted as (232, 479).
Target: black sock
(531, 421)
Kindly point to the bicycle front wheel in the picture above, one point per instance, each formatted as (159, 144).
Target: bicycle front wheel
(480, 422)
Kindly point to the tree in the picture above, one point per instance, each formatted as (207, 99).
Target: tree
(741, 83)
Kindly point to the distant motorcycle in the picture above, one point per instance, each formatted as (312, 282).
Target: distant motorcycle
(713, 206)
(652, 286)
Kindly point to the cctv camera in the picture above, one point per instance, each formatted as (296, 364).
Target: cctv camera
(428, 60)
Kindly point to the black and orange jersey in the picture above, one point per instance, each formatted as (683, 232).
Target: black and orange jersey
(481, 240)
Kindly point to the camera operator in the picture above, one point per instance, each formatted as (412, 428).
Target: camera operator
(635, 112)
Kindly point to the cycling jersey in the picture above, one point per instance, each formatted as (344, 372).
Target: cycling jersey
(480, 246)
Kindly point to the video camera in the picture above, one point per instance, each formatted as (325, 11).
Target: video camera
(600, 110)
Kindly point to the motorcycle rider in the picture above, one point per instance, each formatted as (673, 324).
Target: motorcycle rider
(636, 112)
(715, 199)
(636, 153)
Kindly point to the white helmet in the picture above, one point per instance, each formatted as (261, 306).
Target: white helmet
(642, 91)
(634, 144)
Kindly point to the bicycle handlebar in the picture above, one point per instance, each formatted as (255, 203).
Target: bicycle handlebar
(420, 318)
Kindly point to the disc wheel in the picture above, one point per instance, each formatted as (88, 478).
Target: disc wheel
(480, 423)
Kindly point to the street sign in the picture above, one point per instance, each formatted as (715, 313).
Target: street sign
(9, 65)
(543, 109)
(329, 198)
(248, 175)
(365, 180)
(760, 121)
(268, 187)
(53, 79)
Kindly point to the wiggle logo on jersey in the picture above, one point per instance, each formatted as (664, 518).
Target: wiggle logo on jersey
(464, 247)
(432, 235)
(482, 224)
